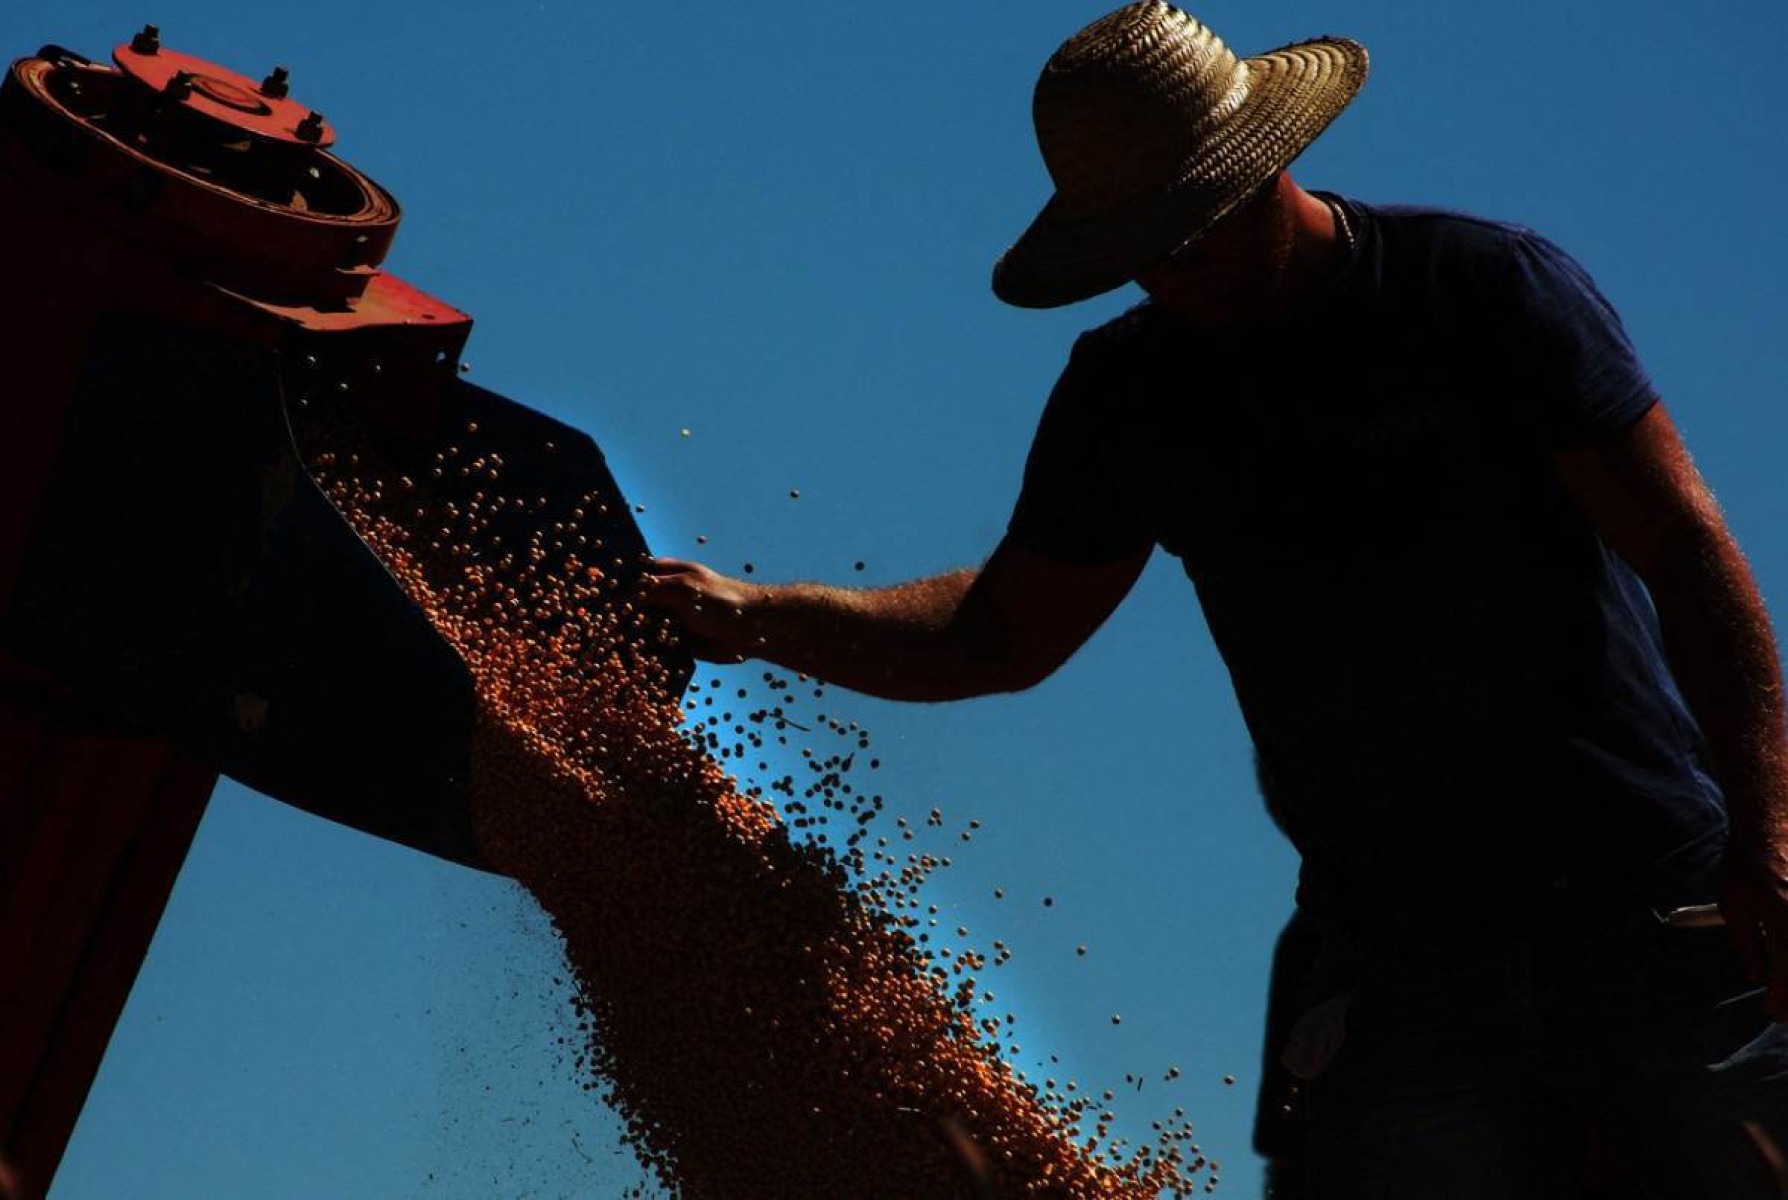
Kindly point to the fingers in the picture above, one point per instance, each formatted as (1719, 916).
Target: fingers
(1757, 919)
(708, 652)
(1770, 936)
(1746, 932)
(667, 596)
(682, 632)
(1766, 961)
(672, 585)
(707, 607)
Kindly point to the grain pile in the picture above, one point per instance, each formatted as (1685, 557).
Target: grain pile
(770, 1010)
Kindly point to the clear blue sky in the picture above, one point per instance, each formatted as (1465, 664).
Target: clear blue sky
(773, 225)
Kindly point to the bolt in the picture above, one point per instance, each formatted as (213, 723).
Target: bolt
(148, 41)
(274, 87)
(179, 87)
(311, 128)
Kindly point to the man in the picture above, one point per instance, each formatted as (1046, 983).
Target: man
(1509, 675)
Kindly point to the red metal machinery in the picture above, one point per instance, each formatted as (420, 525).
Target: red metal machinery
(177, 596)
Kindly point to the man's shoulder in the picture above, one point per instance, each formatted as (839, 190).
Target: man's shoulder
(1117, 342)
(1446, 258)
(1122, 329)
(1435, 232)
(1431, 220)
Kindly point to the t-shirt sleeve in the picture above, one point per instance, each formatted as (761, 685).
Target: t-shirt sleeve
(1080, 500)
(1579, 376)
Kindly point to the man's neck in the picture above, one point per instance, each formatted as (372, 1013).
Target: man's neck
(1321, 244)
(1270, 259)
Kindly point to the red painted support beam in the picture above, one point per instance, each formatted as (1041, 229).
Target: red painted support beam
(94, 828)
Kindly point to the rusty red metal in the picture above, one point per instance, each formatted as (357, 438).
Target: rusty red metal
(123, 192)
(95, 834)
(222, 95)
(277, 219)
(195, 260)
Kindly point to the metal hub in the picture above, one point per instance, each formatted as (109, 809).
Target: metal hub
(218, 94)
(226, 173)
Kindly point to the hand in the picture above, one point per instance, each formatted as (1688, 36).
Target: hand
(713, 610)
(1754, 901)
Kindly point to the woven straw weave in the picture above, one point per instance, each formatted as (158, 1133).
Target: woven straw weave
(1152, 131)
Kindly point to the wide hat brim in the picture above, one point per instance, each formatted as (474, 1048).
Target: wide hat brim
(1293, 94)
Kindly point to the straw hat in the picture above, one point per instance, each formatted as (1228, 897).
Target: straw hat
(1152, 131)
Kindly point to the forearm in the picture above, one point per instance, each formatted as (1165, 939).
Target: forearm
(914, 641)
(1645, 499)
(1722, 652)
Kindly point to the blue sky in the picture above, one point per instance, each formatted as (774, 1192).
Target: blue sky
(773, 226)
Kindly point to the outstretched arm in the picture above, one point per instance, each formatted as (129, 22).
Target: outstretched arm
(1645, 498)
(1001, 628)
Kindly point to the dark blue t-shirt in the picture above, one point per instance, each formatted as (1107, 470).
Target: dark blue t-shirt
(1458, 689)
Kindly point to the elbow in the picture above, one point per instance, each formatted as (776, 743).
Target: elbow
(991, 655)
(1007, 672)
(1023, 676)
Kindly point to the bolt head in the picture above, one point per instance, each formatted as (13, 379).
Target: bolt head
(148, 41)
(276, 86)
(311, 128)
